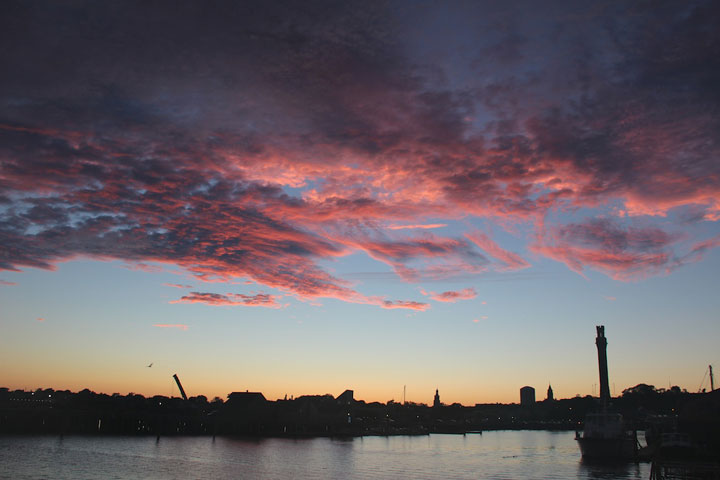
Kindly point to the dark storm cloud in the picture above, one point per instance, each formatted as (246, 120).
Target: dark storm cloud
(648, 130)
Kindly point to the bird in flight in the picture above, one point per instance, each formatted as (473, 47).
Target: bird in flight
(150, 365)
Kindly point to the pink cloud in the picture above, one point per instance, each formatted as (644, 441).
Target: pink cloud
(452, 296)
(40, 319)
(197, 227)
(622, 253)
(144, 267)
(6, 283)
(405, 304)
(176, 285)
(409, 227)
(696, 253)
(704, 246)
(232, 299)
(512, 261)
(427, 256)
(411, 248)
(104, 177)
(179, 326)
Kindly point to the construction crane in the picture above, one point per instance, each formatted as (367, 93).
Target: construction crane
(182, 390)
(712, 379)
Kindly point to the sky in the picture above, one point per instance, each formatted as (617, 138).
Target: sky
(305, 197)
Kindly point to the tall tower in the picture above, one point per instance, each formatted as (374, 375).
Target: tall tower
(601, 343)
(550, 395)
(436, 400)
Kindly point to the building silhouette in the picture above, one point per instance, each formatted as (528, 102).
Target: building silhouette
(346, 398)
(245, 399)
(527, 396)
(436, 400)
(550, 396)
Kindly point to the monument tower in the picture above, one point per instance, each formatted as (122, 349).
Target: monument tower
(601, 343)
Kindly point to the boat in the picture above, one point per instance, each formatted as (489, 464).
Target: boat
(677, 446)
(678, 457)
(604, 436)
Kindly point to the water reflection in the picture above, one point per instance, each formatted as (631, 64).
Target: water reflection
(600, 471)
(506, 454)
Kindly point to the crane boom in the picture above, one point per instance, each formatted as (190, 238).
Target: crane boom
(182, 390)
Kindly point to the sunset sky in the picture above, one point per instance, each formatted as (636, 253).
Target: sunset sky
(303, 197)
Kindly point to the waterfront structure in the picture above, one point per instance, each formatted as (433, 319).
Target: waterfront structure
(436, 400)
(604, 435)
(550, 396)
(527, 396)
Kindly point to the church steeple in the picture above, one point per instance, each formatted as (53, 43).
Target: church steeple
(436, 400)
(550, 396)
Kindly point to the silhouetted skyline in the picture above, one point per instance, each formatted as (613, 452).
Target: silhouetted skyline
(393, 197)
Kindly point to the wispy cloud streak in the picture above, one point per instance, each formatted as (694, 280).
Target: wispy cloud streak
(623, 253)
(231, 299)
(413, 227)
(452, 296)
(179, 326)
(411, 305)
(510, 260)
(177, 285)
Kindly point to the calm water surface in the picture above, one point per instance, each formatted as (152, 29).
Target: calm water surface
(492, 455)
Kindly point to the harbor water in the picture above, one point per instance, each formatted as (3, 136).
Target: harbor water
(492, 455)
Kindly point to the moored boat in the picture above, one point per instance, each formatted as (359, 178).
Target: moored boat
(604, 436)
